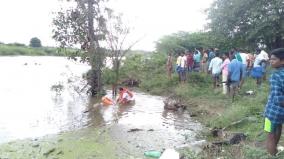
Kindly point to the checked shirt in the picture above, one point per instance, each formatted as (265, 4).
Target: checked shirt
(274, 109)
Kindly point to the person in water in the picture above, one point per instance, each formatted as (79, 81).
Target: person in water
(125, 96)
(107, 100)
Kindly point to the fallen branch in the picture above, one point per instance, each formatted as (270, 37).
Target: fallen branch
(239, 122)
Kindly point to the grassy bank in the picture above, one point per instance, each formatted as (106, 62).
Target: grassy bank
(83, 144)
(9, 50)
(210, 107)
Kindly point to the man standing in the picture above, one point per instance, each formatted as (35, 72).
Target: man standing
(274, 110)
(235, 71)
(244, 58)
(190, 61)
(197, 59)
(169, 65)
(178, 66)
(204, 65)
(183, 65)
(259, 66)
(224, 68)
(215, 68)
(263, 56)
(211, 55)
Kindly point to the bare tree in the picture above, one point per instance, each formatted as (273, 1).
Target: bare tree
(117, 33)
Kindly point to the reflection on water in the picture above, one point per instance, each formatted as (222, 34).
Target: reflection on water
(28, 107)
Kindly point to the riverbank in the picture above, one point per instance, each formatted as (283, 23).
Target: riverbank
(210, 107)
(82, 143)
(223, 117)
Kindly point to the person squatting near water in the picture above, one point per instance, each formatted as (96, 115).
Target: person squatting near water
(274, 109)
(125, 96)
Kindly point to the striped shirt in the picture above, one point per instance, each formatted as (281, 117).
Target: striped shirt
(274, 110)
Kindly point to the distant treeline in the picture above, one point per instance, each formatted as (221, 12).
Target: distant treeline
(243, 24)
(22, 49)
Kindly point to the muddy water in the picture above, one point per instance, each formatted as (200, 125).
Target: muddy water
(29, 108)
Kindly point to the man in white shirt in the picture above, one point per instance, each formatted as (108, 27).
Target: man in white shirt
(183, 65)
(259, 66)
(262, 60)
(215, 68)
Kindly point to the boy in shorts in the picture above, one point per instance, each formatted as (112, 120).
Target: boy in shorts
(274, 110)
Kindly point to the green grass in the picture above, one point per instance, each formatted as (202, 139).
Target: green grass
(213, 109)
(8, 50)
(83, 144)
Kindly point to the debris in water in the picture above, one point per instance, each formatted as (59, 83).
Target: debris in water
(170, 154)
(135, 129)
(152, 153)
(86, 111)
(250, 92)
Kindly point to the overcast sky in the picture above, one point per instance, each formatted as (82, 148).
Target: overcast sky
(151, 19)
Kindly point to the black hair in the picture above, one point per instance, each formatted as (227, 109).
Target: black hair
(120, 88)
(217, 54)
(233, 56)
(227, 54)
(279, 53)
(257, 50)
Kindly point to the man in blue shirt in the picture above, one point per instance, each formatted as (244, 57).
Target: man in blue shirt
(235, 71)
(274, 110)
(197, 59)
(211, 55)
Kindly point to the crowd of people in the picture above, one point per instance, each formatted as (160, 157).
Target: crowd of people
(235, 66)
(229, 69)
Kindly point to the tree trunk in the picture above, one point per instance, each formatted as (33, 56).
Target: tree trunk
(116, 71)
(95, 54)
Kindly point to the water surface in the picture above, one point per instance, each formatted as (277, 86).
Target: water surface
(29, 108)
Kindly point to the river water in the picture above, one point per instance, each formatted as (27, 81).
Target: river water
(29, 108)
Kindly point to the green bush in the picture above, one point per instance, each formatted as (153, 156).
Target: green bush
(108, 76)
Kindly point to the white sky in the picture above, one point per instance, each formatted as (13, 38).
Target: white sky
(23, 19)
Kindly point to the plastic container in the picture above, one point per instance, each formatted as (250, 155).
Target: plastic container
(170, 154)
(153, 154)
